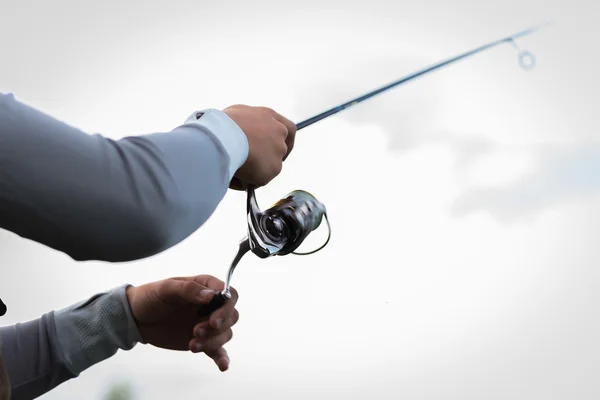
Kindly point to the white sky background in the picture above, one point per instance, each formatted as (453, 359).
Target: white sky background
(463, 262)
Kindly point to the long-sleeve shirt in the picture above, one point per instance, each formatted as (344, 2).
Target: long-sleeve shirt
(94, 198)
(41, 354)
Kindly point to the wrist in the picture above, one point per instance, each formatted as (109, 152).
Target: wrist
(130, 293)
(95, 329)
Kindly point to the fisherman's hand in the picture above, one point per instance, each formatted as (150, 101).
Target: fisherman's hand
(271, 138)
(166, 313)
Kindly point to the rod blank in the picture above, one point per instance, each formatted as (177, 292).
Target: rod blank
(414, 75)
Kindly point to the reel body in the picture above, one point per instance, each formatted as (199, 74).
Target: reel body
(282, 228)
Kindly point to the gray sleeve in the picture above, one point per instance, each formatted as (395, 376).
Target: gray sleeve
(95, 198)
(41, 354)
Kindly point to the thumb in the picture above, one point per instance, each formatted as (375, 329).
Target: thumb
(175, 291)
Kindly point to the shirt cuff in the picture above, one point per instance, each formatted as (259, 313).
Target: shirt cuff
(93, 330)
(231, 137)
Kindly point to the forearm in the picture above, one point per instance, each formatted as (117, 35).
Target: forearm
(94, 198)
(39, 355)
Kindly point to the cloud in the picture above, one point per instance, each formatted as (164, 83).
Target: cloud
(565, 174)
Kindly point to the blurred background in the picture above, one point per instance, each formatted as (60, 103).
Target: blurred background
(464, 205)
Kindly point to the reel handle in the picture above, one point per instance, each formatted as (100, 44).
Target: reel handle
(204, 310)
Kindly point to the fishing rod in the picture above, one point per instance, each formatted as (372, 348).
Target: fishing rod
(526, 61)
(282, 228)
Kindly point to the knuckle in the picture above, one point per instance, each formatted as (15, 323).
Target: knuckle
(282, 129)
(196, 330)
(166, 287)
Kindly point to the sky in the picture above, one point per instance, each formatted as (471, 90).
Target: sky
(463, 205)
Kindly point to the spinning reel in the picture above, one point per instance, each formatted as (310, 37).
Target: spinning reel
(277, 231)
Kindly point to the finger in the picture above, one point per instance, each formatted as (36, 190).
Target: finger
(225, 312)
(218, 285)
(210, 344)
(209, 281)
(290, 145)
(291, 127)
(203, 329)
(291, 136)
(176, 291)
(221, 358)
(283, 148)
